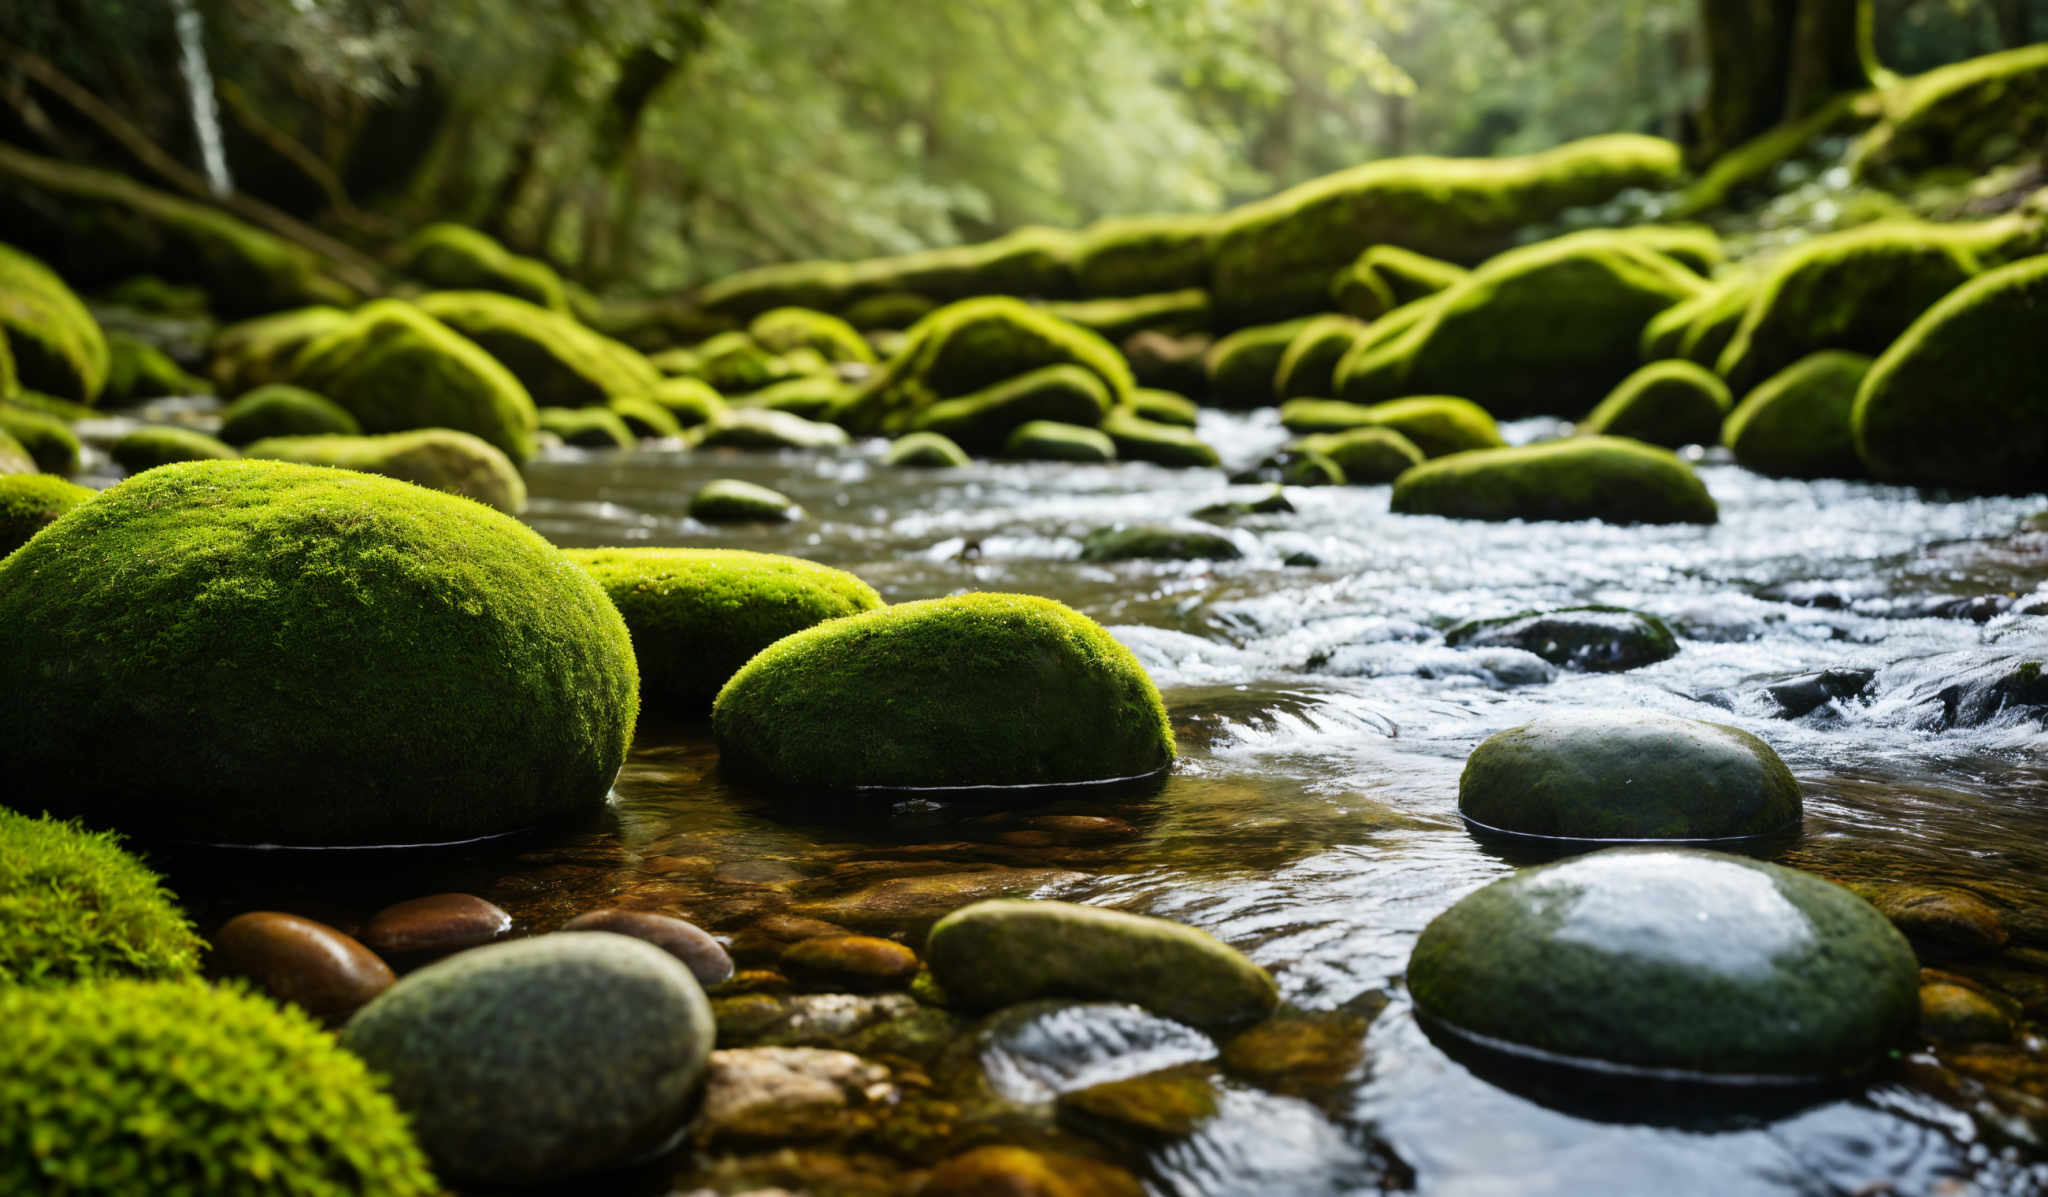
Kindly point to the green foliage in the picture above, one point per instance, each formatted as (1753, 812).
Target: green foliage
(451, 257)
(78, 907)
(984, 420)
(48, 439)
(1797, 423)
(31, 502)
(1308, 368)
(1140, 439)
(55, 344)
(283, 410)
(182, 1090)
(153, 445)
(437, 458)
(1584, 478)
(587, 427)
(1669, 403)
(781, 330)
(1050, 440)
(559, 362)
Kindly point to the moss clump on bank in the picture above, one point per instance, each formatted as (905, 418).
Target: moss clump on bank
(973, 690)
(1585, 478)
(1669, 403)
(1243, 366)
(48, 439)
(697, 615)
(888, 310)
(437, 458)
(691, 401)
(55, 344)
(1973, 114)
(454, 257)
(559, 362)
(160, 444)
(31, 502)
(983, 421)
(137, 371)
(1797, 423)
(75, 906)
(1699, 328)
(282, 410)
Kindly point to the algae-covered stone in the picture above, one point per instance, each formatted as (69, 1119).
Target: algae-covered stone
(1243, 366)
(447, 675)
(254, 353)
(1006, 951)
(1368, 456)
(731, 501)
(127, 1086)
(137, 371)
(76, 906)
(1436, 424)
(891, 310)
(541, 1058)
(926, 451)
(697, 615)
(1021, 1172)
(1386, 276)
(559, 361)
(1699, 329)
(1051, 440)
(972, 690)
(782, 330)
(587, 427)
(646, 419)
(1173, 312)
(1669, 403)
(1157, 542)
(983, 421)
(437, 458)
(1797, 423)
(1962, 398)
(1627, 775)
(1144, 255)
(395, 368)
(1031, 261)
(1598, 639)
(814, 397)
(1163, 407)
(759, 428)
(56, 345)
(1671, 959)
(692, 401)
(1308, 369)
(1169, 363)
(31, 502)
(283, 410)
(160, 444)
(48, 440)
(1585, 478)
(457, 258)
(1139, 439)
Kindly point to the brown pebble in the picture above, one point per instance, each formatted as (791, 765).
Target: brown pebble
(685, 941)
(1019, 1172)
(1954, 1012)
(1085, 829)
(439, 923)
(860, 963)
(297, 960)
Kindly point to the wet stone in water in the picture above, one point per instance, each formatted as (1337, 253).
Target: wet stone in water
(1957, 1012)
(1148, 1109)
(437, 923)
(297, 960)
(1298, 1053)
(685, 941)
(859, 963)
(1939, 922)
(1597, 639)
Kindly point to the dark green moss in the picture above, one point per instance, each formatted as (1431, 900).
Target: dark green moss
(733, 364)
(1585, 478)
(983, 421)
(1698, 329)
(820, 286)
(731, 501)
(1139, 439)
(453, 257)
(1157, 542)
(587, 427)
(888, 310)
(437, 458)
(782, 330)
(1169, 363)
(137, 371)
(1144, 255)
(56, 345)
(1596, 639)
(76, 906)
(1171, 312)
(1436, 424)
(1308, 368)
(1669, 403)
(1368, 455)
(147, 293)
(1163, 407)
(48, 439)
(1797, 423)
(153, 445)
(925, 451)
(691, 401)
(558, 361)
(281, 410)
(258, 352)
(1747, 169)
(1050, 440)
(13, 458)
(31, 502)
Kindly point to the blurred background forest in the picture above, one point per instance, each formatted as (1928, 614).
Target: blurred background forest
(650, 144)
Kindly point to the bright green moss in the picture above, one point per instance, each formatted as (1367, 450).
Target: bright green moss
(1962, 398)
(558, 361)
(972, 690)
(697, 615)
(1549, 328)
(258, 352)
(395, 368)
(1797, 423)
(281, 410)
(48, 439)
(981, 422)
(1308, 368)
(1140, 439)
(13, 458)
(925, 451)
(820, 286)
(1144, 255)
(731, 501)
(181, 1090)
(453, 257)
(1174, 312)
(784, 329)
(1386, 276)
(1693, 246)
(646, 419)
(137, 370)
(1242, 366)
(814, 398)
(1163, 407)
(437, 458)
(1276, 258)
(1972, 114)
(1050, 440)
(50, 405)
(161, 444)
(76, 906)
(1669, 403)
(31, 502)
(1033, 261)
(256, 652)
(692, 401)
(732, 363)
(56, 345)
(587, 427)
(1368, 456)
(1584, 478)
(758, 428)
(1435, 424)
(888, 310)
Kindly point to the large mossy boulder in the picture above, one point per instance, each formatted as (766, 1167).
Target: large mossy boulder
(395, 368)
(56, 345)
(983, 421)
(1962, 398)
(543, 1058)
(1034, 261)
(785, 330)
(1627, 775)
(1671, 960)
(48, 439)
(1595, 639)
(1547, 329)
(1276, 258)
(819, 285)
(972, 690)
(259, 351)
(453, 257)
(261, 653)
(1386, 276)
(283, 410)
(75, 906)
(123, 1086)
(1586, 478)
(1669, 403)
(1002, 952)
(1244, 366)
(559, 362)
(697, 615)
(437, 458)
(137, 370)
(1175, 313)
(1436, 424)
(1797, 423)
(1143, 255)
(153, 445)
(31, 502)
(1368, 456)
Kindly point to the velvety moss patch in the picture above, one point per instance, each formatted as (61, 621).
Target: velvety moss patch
(437, 458)
(76, 906)
(983, 421)
(1796, 424)
(458, 258)
(161, 444)
(48, 439)
(1585, 478)
(559, 361)
(1668, 403)
(56, 345)
(282, 410)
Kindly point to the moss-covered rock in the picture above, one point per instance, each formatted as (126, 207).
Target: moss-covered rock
(1308, 368)
(437, 458)
(1051, 440)
(14, 459)
(48, 440)
(283, 410)
(1002, 952)
(448, 674)
(1960, 400)
(56, 345)
(1669, 403)
(254, 353)
(76, 907)
(1436, 424)
(814, 398)
(646, 419)
(541, 1058)
(1276, 258)
(1797, 422)
(1699, 329)
(1550, 328)
(395, 368)
(782, 330)
(1977, 113)
(697, 615)
(587, 427)
(818, 285)
(1139, 439)
(1670, 959)
(453, 257)
(1243, 366)
(1163, 407)
(1368, 456)
(153, 445)
(1169, 363)
(733, 364)
(972, 690)
(925, 451)
(1144, 255)
(558, 361)
(759, 428)
(983, 421)
(1586, 478)
(1157, 542)
(731, 501)
(692, 401)
(1171, 312)
(1599, 639)
(1034, 261)
(172, 1087)
(891, 310)
(31, 502)
(137, 370)
(1386, 276)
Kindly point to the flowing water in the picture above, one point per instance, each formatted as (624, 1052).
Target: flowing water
(199, 87)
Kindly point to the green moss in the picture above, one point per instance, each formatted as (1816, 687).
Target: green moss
(1276, 258)
(147, 293)
(813, 398)
(784, 329)
(437, 458)
(1308, 368)
(1169, 363)
(1140, 439)
(558, 361)
(31, 502)
(178, 1089)
(1050, 440)
(258, 352)
(1032, 261)
(972, 690)
(1144, 255)
(1693, 246)
(758, 428)
(925, 451)
(1157, 542)
(888, 310)
(1549, 328)
(1585, 478)
(587, 427)
(48, 439)
(1175, 312)
(731, 501)
(56, 345)
(1797, 423)
(732, 363)
(13, 458)
(983, 421)
(1163, 407)
(1386, 276)
(453, 257)
(77, 907)
(160, 444)
(395, 368)
(1436, 424)
(256, 652)
(1669, 403)
(691, 401)
(646, 419)
(1368, 456)
(1962, 398)
(1243, 366)
(697, 615)
(280, 410)
(1699, 328)
(50, 405)
(1972, 114)
(820, 286)
(137, 370)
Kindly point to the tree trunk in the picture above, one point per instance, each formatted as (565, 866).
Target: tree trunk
(1771, 61)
